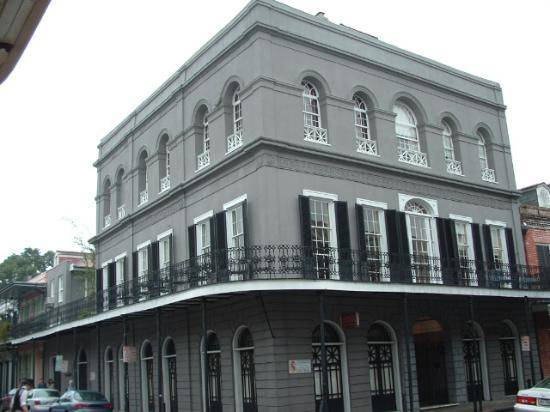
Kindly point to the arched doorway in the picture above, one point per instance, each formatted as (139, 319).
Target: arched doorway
(121, 380)
(245, 371)
(82, 369)
(475, 361)
(511, 357)
(431, 370)
(338, 395)
(109, 374)
(170, 376)
(212, 363)
(384, 368)
(147, 382)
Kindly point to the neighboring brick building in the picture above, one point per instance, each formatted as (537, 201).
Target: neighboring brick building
(535, 220)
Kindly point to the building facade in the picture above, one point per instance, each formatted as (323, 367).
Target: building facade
(535, 220)
(304, 214)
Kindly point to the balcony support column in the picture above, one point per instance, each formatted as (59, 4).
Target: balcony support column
(528, 317)
(159, 362)
(477, 397)
(126, 378)
(75, 360)
(33, 372)
(98, 345)
(408, 335)
(324, 371)
(204, 354)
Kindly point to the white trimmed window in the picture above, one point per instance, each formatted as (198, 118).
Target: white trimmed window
(143, 260)
(543, 196)
(147, 379)
(406, 127)
(203, 237)
(482, 150)
(465, 246)
(498, 242)
(237, 112)
(312, 112)
(448, 145)
(361, 118)
(205, 134)
(119, 268)
(164, 252)
(376, 246)
(60, 289)
(235, 227)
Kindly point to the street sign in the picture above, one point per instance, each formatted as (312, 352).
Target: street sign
(129, 354)
(525, 343)
(296, 366)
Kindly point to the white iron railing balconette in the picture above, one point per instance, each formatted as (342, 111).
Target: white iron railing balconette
(366, 146)
(234, 141)
(315, 134)
(107, 221)
(488, 175)
(454, 167)
(143, 197)
(165, 183)
(121, 212)
(413, 157)
(203, 160)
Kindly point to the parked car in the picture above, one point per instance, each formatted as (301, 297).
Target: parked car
(535, 399)
(40, 400)
(82, 401)
(6, 400)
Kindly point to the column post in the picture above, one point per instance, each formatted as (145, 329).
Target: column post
(324, 371)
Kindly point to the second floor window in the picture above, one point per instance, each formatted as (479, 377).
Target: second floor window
(448, 145)
(237, 112)
(164, 252)
(361, 118)
(482, 149)
(143, 260)
(312, 113)
(60, 290)
(498, 244)
(235, 227)
(203, 237)
(406, 128)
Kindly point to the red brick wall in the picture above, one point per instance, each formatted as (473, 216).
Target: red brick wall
(531, 238)
(542, 326)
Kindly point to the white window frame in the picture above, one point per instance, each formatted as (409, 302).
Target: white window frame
(143, 258)
(542, 193)
(60, 289)
(163, 238)
(500, 226)
(228, 208)
(466, 220)
(448, 141)
(119, 268)
(360, 111)
(308, 99)
(143, 367)
(237, 111)
(199, 221)
(205, 134)
(381, 207)
(165, 372)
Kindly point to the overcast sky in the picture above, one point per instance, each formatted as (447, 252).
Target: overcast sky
(91, 62)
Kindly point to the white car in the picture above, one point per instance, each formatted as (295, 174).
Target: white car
(535, 399)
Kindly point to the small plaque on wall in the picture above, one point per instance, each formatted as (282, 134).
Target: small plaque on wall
(296, 366)
(129, 354)
(349, 320)
(525, 343)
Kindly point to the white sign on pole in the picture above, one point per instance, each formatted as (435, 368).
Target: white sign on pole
(526, 343)
(65, 366)
(296, 366)
(58, 363)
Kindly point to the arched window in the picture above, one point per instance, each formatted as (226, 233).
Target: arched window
(422, 242)
(143, 184)
(109, 374)
(363, 140)
(203, 147)
(245, 375)
(313, 131)
(452, 164)
(487, 173)
(235, 139)
(121, 210)
(205, 134)
(406, 130)
(212, 363)
(475, 361)
(164, 164)
(543, 196)
(336, 369)
(82, 369)
(107, 203)
(383, 367)
(511, 358)
(122, 378)
(170, 376)
(147, 383)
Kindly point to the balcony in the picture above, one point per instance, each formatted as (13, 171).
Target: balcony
(164, 183)
(234, 141)
(454, 167)
(106, 221)
(366, 146)
(203, 160)
(413, 157)
(143, 197)
(121, 212)
(290, 262)
(315, 134)
(488, 175)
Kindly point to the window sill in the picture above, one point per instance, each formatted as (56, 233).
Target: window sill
(415, 164)
(317, 142)
(368, 154)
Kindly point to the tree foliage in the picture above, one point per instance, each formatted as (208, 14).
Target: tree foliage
(28, 263)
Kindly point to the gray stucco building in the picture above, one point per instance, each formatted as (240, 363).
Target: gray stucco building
(295, 170)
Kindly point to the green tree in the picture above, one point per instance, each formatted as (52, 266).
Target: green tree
(28, 263)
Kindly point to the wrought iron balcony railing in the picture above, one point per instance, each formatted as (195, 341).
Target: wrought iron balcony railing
(366, 146)
(107, 221)
(165, 183)
(488, 175)
(289, 262)
(203, 160)
(454, 167)
(121, 212)
(315, 134)
(143, 197)
(234, 141)
(413, 157)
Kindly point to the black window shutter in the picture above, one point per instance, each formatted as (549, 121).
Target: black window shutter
(111, 279)
(154, 258)
(135, 268)
(452, 241)
(124, 274)
(444, 250)
(192, 241)
(305, 223)
(99, 289)
(171, 249)
(361, 230)
(510, 247)
(219, 222)
(398, 246)
(478, 252)
(344, 241)
(488, 246)
(543, 255)
(246, 225)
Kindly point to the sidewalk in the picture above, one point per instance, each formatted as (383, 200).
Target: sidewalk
(500, 405)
